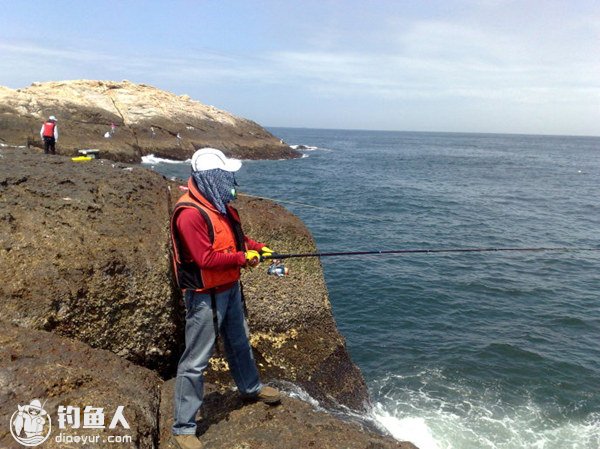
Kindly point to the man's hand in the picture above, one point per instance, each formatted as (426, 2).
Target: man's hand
(252, 258)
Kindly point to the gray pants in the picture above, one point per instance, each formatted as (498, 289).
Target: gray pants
(199, 346)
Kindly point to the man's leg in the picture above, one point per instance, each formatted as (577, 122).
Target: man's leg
(199, 342)
(46, 145)
(237, 347)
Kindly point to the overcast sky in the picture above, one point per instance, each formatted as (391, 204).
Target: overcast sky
(464, 66)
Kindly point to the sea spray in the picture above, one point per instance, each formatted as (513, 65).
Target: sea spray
(448, 414)
(150, 159)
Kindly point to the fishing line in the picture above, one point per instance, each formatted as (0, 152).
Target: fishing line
(328, 209)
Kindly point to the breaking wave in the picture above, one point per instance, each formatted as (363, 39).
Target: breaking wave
(150, 159)
(472, 418)
(304, 147)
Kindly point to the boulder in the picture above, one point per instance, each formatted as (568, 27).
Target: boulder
(146, 120)
(85, 254)
(294, 333)
(84, 250)
(62, 372)
(226, 422)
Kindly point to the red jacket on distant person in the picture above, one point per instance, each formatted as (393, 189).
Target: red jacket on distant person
(49, 129)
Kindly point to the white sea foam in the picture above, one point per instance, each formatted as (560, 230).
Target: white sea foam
(473, 419)
(521, 429)
(411, 429)
(304, 147)
(150, 159)
(298, 392)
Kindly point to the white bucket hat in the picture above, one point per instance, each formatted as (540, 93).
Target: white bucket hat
(211, 158)
(52, 118)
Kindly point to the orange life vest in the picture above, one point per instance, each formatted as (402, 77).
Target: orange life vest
(49, 129)
(225, 234)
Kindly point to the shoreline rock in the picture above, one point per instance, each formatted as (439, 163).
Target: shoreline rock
(64, 372)
(85, 254)
(226, 422)
(59, 371)
(146, 121)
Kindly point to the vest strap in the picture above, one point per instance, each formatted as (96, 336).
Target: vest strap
(243, 300)
(213, 306)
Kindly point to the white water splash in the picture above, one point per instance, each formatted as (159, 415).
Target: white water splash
(303, 147)
(150, 159)
(473, 419)
(411, 429)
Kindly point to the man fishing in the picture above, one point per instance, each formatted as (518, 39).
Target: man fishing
(209, 249)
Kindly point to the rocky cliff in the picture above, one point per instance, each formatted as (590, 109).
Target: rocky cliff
(146, 120)
(65, 372)
(84, 250)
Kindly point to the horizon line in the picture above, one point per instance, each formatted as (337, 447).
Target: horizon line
(436, 132)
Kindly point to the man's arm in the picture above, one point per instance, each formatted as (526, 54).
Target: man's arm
(252, 244)
(194, 235)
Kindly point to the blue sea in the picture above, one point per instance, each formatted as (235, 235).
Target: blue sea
(483, 350)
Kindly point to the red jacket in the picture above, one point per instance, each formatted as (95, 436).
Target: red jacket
(208, 247)
(48, 130)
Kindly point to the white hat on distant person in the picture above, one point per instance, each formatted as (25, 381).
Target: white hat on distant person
(52, 118)
(211, 158)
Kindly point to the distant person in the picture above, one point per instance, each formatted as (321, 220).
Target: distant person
(113, 128)
(49, 134)
(178, 140)
(153, 134)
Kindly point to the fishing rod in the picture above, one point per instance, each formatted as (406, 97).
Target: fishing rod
(426, 251)
(279, 269)
(276, 256)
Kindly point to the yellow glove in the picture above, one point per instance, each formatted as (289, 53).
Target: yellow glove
(252, 258)
(265, 252)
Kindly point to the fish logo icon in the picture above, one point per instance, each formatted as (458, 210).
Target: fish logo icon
(30, 425)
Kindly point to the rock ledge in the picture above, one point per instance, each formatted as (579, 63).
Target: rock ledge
(147, 121)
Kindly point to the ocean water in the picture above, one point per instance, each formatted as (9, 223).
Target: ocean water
(462, 350)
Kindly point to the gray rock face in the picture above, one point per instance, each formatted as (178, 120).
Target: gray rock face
(85, 254)
(293, 329)
(84, 251)
(62, 372)
(226, 422)
(146, 121)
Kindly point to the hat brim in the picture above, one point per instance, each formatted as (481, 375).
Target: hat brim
(210, 159)
(232, 165)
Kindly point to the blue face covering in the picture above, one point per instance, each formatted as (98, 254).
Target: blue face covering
(217, 186)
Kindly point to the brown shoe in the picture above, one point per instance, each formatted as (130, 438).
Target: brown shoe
(268, 395)
(187, 442)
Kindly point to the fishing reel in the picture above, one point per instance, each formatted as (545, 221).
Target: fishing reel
(277, 268)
